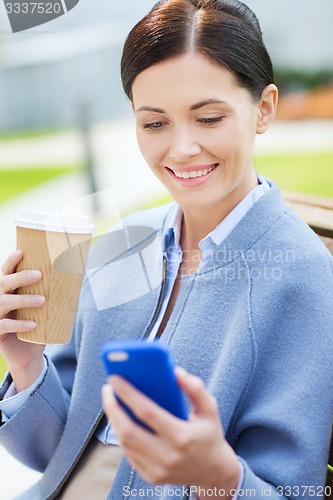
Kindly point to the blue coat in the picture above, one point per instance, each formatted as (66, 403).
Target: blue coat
(255, 324)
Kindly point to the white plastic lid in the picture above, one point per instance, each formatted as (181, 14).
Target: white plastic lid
(55, 221)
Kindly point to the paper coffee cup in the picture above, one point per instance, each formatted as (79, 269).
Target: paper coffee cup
(57, 244)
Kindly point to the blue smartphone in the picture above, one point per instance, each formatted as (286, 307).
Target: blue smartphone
(149, 367)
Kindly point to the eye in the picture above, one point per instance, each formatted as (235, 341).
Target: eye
(153, 125)
(211, 120)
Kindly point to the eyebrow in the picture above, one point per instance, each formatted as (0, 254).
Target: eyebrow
(204, 103)
(198, 105)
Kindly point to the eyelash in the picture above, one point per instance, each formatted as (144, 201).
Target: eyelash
(150, 126)
(205, 121)
(212, 120)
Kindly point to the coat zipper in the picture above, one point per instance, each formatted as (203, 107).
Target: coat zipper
(69, 472)
(145, 336)
(160, 300)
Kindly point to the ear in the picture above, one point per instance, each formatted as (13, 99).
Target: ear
(267, 108)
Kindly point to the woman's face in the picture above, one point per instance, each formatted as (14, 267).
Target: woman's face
(195, 128)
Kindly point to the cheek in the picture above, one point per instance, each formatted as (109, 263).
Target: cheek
(221, 143)
(151, 147)
(144, 144)
(236, 139)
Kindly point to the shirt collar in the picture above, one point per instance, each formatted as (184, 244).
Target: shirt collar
(172, 235)
(222, 230)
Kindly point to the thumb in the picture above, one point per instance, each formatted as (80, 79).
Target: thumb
(203, 402)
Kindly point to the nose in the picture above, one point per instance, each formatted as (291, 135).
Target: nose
(183, 145)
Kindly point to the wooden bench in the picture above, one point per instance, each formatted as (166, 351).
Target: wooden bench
(318, 213)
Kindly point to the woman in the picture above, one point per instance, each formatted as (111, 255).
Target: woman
(245, 303)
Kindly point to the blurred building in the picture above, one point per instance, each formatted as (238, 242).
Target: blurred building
(51, 80)
(52, 75)
(298, 33)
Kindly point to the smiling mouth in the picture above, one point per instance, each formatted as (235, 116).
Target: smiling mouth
(194, 173)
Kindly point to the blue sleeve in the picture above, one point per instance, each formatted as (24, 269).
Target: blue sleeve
(32, 434)
(13, 401)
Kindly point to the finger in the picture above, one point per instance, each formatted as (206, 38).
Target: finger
(145, 409)
(203, 402)
(110, 404)
(11, 262)
(11, 302)
(131, 434)
(134, 440)
(8, 325)
(12, 282)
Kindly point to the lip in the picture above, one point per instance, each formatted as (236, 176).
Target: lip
(194, 181)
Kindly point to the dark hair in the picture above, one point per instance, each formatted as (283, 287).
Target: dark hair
(227, 31)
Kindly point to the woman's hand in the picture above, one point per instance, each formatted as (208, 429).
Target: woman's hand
(192, 452)
(25, 360)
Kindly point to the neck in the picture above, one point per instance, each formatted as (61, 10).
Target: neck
(200, 221)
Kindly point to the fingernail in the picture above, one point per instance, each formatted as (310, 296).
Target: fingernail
(106, 388)
(35, 275)
(107, 391)
(29, 325)
(114, 380)
(181, 371)
(17, 253)
(38, 300)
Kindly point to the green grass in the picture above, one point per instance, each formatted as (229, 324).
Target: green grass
(305, 173)
(30, 134)
(3, 367)
(15, 181)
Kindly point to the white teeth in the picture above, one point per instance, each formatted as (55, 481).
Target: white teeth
(194, 173)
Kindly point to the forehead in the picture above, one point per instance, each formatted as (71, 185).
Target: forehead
(189, 78)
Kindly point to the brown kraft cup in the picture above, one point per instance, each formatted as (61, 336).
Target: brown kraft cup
(56, 244)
